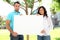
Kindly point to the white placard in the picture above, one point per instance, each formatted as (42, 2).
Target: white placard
(28, 24)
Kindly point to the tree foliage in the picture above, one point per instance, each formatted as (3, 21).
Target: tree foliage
(56, 5)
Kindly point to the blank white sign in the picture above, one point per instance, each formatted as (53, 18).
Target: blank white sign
(28, 24)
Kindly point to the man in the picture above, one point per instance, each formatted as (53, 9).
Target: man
(10, 22)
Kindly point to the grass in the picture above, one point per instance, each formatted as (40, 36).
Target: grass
(55, 35)
(4, 34)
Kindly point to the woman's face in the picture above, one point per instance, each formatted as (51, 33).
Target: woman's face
(41, 11)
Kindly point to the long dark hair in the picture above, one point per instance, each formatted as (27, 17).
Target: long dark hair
(45, 12)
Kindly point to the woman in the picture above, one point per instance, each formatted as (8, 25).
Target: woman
(47, 24)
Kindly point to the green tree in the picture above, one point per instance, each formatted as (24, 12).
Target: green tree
(7, 1)
(0, 20)
(56, 5)
(29, 4)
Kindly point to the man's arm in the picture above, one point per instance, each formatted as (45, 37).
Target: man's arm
(8, 26)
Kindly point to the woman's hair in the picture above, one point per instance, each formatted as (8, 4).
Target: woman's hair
(45, 12)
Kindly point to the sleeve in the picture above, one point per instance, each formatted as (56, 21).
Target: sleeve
(9, 17)
(50, 24)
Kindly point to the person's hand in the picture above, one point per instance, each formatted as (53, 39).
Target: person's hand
(43, 31)
(14, 34)
(37, 14)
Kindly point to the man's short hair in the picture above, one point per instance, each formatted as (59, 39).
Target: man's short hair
(16, 2)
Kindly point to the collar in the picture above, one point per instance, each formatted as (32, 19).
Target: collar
(16, 11)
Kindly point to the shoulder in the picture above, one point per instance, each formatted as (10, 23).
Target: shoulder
(49, 18)
(11, 13)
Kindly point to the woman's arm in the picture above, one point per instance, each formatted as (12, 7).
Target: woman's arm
(50, 23)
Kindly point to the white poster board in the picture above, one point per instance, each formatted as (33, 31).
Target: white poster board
(28, 24)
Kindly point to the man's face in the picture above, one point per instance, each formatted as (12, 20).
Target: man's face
(17, 6)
